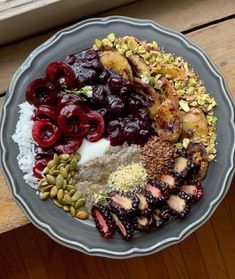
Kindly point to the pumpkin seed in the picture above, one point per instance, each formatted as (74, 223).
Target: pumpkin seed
(79, 203)
(72, 211)
(67, 167)
(61, 165)
(52, 169)
(72, 173)
(82, 215)
(56, 159)
(46, 170)
(64, 157)
(65, 184)
(67, 199)
(60, 195)
(72, 192)
(73, 164)
(69, 187)
(71, 181)
(66, 208)
(59, 181)
(48, 188)
(57, 203)
(77, 195)
(50, 178)
(44, 196)
(54, 172)
(69, 176)
(41, 182)
(53, 192)
(50, 164)
(63, 172)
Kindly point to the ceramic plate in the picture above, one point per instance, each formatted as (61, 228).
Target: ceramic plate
(82, 236)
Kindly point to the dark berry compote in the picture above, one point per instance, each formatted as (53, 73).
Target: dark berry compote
(125, 111)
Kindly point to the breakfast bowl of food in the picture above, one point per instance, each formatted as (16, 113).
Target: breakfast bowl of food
(117, 137)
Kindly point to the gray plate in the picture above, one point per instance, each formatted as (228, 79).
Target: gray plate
(81, 236)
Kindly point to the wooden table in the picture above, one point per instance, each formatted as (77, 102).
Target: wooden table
(210, 251)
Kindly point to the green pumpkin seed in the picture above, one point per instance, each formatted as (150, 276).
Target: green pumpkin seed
(77, 195)
(73, 164)
(41, 182)
(44, 196)
(61, 165)
(72, 173)
(46, 170)
(67, 167)
(50, 178)
(72, 211)
(53, 192)
(50, 164)
(63, 172)
(69, 187)
(67, 199)
(71, 181)
(68, 176)
(54, 172)
(48, 188)
(60, 195)
(79, 203)
(64, 157)
(82, 215)
(52, 169)
(72, 192)
(66, 208)
(56, 159)
(65, 184)
(57, 203)
(59, 182)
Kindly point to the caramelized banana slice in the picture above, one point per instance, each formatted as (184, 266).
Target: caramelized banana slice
(117, 62)
(194, 122)
(139, 65)
(168, 121)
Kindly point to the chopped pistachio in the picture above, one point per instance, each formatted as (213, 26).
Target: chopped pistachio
(168, 76)
(141, 50)
(132, 44)
(186, 142)
(186, 67)
(154, 44)
(107, 43)
(179, 145)
(178, 85)
(111, 37)
(157, 77)
(98, 43)
(184, 105)
(129, 53)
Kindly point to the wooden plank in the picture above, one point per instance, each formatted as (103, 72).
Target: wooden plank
(11, 216)
(218, 41)
(167, 12)
(182, 16)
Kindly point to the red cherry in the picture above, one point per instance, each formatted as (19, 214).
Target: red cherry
(61, 74)
(45, 133)
(41, 91)
(45, 111)
(39, 167)
(96, 123)
(66, 145)
(72, 121)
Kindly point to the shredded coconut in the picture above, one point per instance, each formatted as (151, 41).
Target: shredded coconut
(23, 138)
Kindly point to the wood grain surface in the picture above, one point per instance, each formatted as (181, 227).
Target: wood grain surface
(209, 252)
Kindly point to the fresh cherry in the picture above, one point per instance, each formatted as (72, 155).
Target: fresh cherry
(61, 75)
(72, 121)
(46, 111)
(43, 152)
(45, 133)
(67, 145)
(39, 167)
(96, 123)
(41, 91)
